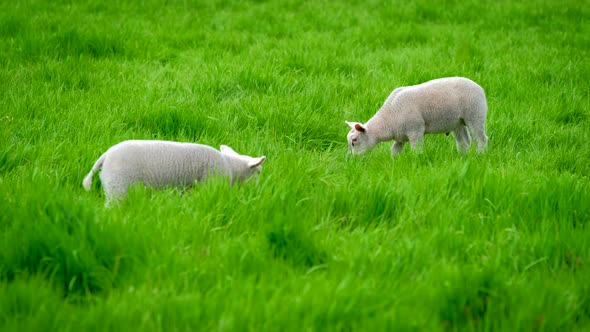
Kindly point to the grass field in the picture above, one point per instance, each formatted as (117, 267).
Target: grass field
(431, 241)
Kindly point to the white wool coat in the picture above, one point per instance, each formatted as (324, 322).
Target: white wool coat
(451, 104)
(163, 163)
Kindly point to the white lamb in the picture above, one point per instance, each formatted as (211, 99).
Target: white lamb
(451, 104)
(162, 163)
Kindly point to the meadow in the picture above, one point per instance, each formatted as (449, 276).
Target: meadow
(431, 241)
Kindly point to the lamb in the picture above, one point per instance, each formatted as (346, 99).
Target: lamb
(451, 104)
(162, 163)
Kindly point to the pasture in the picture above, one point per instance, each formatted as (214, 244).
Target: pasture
(431, 241)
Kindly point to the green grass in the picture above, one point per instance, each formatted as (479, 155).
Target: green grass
(436, 241)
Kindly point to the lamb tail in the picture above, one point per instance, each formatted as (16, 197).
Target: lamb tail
(87, 183)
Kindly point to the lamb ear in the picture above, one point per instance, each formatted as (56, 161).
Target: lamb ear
(356, 125)
(227, 150)
(360, 127)
(256, 161)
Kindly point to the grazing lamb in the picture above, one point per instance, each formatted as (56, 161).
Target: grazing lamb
(451, 104)
(161, 163)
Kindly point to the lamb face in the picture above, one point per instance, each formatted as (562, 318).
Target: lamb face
(242, 166)
(359, 140)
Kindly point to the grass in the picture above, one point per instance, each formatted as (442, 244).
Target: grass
(435, 241)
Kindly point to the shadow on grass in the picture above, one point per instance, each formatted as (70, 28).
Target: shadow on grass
(292, 244)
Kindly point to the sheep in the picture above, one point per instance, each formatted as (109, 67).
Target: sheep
(450, 104)
(163, 163)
